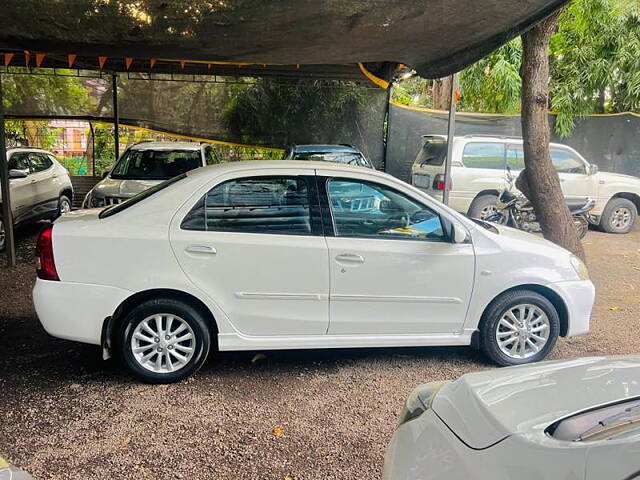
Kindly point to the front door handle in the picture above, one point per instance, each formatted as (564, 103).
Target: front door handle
(350, 258)
(201, 249)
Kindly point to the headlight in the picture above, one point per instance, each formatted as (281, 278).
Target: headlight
(420, 401)
(581, 269)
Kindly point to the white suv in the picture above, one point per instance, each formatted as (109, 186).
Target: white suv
(478, 174)
(146, 164)
(40, 187)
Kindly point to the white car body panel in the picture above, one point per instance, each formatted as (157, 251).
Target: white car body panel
(492, 424)
(469, 182)
(254, 288)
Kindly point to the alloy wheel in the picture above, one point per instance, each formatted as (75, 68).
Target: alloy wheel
(163, 343)
(65, 206)
(621, 218)
(523, 331)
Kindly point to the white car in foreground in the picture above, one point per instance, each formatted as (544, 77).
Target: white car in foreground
(289, 255)
(562, 420)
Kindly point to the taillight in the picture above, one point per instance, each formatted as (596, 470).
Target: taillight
(438, 182)
(45, 265)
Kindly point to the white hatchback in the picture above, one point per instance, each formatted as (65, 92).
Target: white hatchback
(289, 255)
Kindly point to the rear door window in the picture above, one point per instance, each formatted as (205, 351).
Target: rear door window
(484, 155)
(515, 157)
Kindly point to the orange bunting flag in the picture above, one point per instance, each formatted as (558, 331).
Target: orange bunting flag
(127, 62)
(101, 61)
(39, 59)
(27, 57)
(71, 59)
(7, 59)
(152, 62)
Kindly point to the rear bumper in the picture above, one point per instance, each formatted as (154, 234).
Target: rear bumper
(75, 311)
(579, 297)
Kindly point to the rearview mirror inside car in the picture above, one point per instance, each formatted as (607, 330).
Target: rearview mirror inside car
(15, 173)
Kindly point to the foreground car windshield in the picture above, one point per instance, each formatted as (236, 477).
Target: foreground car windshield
(348, 158)
(155, 164)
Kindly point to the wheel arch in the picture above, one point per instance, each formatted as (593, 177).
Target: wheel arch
(111, 324)
(548, 293)
(633, 197)
(67, 192)
(488, 191)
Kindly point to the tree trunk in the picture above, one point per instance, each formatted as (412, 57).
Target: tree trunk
(601, 100)
(539, 180)
(441, 92)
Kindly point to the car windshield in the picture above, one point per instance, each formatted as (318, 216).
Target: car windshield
(155, 164)
(349, 158)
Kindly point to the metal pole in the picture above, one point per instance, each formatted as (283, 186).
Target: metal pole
(6, 195)
(93, 149)
(387, 126)
(451, 129)
(116, 116)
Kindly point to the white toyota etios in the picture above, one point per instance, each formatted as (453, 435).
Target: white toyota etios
(288, 255)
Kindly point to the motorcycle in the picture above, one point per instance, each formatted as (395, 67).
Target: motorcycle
(516, 210)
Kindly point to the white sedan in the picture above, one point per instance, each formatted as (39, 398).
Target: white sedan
(289, 255)
(562, 420)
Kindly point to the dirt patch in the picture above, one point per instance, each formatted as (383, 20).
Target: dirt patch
(67, 414)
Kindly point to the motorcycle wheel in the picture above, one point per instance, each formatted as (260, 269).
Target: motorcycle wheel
(582, 226)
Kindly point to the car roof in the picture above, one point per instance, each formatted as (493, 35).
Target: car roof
(27, 149)
(489, 138)
(166, 146)
(325, 148)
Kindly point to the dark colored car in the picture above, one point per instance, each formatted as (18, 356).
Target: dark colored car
(345, 154)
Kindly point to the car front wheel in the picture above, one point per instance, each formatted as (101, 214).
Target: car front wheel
(519, 327)
(484, 206)
(619, 216)
(164, 341)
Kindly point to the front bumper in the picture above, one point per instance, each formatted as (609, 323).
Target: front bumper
(76, 311)
(579, 297)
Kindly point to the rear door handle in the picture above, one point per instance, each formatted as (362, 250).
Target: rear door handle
(350, 258)
(201, 249)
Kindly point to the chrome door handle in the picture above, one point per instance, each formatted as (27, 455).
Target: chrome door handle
(201, 249)
(350, 258)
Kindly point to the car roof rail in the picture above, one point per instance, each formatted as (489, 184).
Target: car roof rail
(486, 135)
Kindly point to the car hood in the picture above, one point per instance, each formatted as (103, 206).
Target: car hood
(111, 187)
(485, 407)
(619, 178)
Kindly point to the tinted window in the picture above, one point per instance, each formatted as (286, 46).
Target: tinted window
(433, 152)
(155, 164)
(19, 161)
(366, 209)
(566, 162)
(515, 157)
(254, 205)
(39, 162)
(483, 155)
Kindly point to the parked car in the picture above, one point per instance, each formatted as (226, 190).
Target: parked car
(40, 187)
(146, 164)
(346, 154)
(478, 174)
(288, 255)
(7, 472)
(556, 420)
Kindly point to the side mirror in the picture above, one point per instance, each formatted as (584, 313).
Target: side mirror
(458, 234)
(593, 169)
(15, 173)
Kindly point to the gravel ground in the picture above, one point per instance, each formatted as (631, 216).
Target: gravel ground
(64, 413)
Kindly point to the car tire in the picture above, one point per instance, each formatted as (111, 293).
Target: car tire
(619, 216)
(181, 351)
(64, 205)
(481, 206)
(524, 348)
(3, 235)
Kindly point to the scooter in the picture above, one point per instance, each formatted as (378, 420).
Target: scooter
(516, 210)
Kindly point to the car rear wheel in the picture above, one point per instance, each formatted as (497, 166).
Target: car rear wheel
(3, 235)
(164, 341)
(519, 327)
(619, 216)
(483, 206)
(64, 205)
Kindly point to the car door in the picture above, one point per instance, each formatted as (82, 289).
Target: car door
(572, 170)
(393, 269)
(21, 188)
(614, 459)
(254, 245)
(42, 181)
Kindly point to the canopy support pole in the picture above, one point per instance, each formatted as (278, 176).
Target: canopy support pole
(116, 115)
(6, 195)
(451, 130)
(387, 128)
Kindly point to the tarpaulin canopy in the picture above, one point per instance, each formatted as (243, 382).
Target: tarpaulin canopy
(258, 37)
